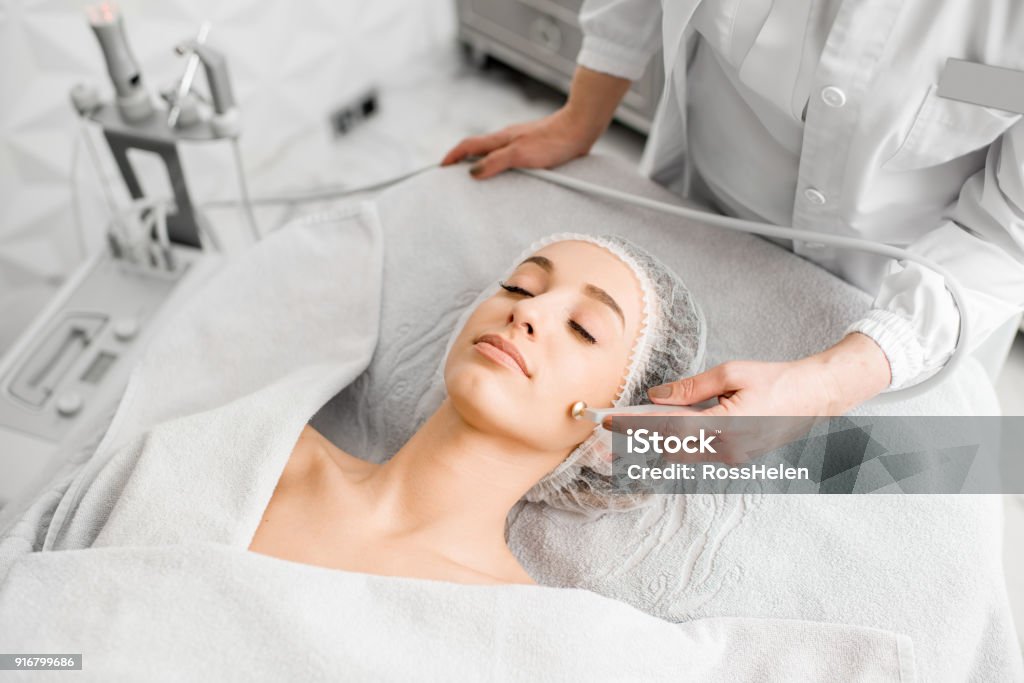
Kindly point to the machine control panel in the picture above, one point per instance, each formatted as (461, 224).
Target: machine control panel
(77, 359)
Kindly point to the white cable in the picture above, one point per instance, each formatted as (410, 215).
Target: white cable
(323, 193)
(209, 235)
(141, 218)
(84, 137)
(161, 226)
(162, 246)
(243, 186)
(94, 155)
(842, 242)
(76, 199)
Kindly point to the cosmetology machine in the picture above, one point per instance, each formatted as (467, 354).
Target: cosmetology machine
(64, 376)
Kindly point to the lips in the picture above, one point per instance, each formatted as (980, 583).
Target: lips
(501, 351)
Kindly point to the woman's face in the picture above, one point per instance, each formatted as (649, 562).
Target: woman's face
(560, 330)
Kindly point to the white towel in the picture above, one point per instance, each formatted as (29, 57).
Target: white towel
(209, 612)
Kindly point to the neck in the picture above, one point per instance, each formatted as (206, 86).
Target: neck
(456, 483)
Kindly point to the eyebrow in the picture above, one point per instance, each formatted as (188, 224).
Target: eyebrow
(593, 291)
(604, 297)
(541, 261)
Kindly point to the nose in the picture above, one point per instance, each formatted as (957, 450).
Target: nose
(518, 319)
(528, 315)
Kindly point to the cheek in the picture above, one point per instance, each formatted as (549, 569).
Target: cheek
(592, 376)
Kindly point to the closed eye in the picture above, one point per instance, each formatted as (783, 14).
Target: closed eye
(582, 332)
(578, 329)
(514, 289)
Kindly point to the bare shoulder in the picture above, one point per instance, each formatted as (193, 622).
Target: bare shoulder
(311, 457)
(313, 448)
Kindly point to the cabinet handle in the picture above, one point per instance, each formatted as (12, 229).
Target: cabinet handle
(545, 31)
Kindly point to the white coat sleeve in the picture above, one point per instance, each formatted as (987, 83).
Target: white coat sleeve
(619, 36)
(914, 319)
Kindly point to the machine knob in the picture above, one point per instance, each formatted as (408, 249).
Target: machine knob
(126, 329)
(86, 98)
(69, 405)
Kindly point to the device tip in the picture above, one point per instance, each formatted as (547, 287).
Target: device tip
(577, 409)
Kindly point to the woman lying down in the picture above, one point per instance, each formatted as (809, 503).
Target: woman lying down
(363, 571)
(568, 323)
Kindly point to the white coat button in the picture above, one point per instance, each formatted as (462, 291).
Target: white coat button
(833, 96)
(68, 405)
(814, 196)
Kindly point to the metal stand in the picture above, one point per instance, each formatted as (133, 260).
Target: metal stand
(185, 223)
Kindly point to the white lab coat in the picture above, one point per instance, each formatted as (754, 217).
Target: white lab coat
(879, 156)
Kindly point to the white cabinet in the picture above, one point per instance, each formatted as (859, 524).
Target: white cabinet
(542, 38)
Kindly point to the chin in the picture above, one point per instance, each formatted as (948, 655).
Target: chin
(494, 401)
(488, 407)
(483, 400)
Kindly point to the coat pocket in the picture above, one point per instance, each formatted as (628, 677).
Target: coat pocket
(947, 129)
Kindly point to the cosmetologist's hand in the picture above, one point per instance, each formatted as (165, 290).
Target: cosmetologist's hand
(826, 384)
(553, 140)
(829, 383)
(549, 142)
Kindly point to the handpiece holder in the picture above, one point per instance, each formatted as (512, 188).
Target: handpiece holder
(184, 223)
(128, 125)
(225, 120)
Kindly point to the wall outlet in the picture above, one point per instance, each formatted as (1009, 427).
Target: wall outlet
(350, 114)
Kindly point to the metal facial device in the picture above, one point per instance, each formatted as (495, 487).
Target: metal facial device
(133, 101)
(580, 411)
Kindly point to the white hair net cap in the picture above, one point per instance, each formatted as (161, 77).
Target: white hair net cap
(669, 345)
